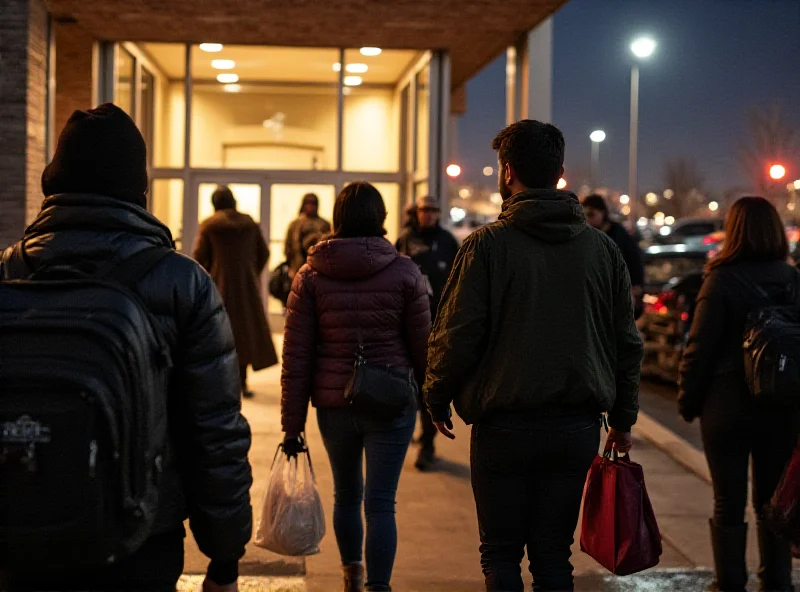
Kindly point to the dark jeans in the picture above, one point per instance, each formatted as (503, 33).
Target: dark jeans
(769, 437)
(156, 567)
(348, 437)
(528, 475)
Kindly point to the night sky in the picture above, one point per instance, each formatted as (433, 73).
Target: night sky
(714, 60)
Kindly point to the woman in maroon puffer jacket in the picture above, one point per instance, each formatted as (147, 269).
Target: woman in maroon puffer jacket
(355, 279)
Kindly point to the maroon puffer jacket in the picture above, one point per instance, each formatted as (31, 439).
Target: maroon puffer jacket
(349, 283)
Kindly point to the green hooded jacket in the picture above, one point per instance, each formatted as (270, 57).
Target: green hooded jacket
(537, 317)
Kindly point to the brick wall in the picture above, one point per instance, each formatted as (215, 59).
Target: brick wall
(23, 61)
(73, 71)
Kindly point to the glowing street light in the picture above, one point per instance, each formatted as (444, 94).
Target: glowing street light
(777, 171)
(797, 185)
(488, 171)
(643, 47)
(713, 206)
(453, 170)
(651, 199)
(562, 184)
(624, 200)
(596, 137)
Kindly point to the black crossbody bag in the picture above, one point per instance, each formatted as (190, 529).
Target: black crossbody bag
(379, 390)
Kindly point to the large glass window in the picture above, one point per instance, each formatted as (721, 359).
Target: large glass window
(167, 63)
(372, 109)
(123, 94)
(146, 106)
(166, 204)
(423, 119)
(264, 108)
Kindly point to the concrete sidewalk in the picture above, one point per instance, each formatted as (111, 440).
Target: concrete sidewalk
(438, 532)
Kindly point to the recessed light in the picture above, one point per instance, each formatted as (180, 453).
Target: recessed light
(232, 88)
(228, 78)
(223, 64)
(371, 51)
(356, 68)
(211, 47)
(352, 80)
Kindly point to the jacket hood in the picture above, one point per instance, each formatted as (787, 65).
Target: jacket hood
(549, 215)
(352, 258)
(92, 229)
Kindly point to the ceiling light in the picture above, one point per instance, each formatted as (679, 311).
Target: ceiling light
(211, 47)
(356, 68)
(352, 80)
(371, 51)
(223, 64)
(337, 67)
(228, 78)
(232, 88)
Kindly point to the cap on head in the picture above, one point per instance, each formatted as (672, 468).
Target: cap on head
(428, 202)
(99, 151)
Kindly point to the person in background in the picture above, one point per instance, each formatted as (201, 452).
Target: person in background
(231, 248)
(736, 427)
(355, 289)
(535, 338)
(433, 249)
(597, 215)
(94, 213)
(304, 232)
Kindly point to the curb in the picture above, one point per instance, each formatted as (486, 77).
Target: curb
(673, 445)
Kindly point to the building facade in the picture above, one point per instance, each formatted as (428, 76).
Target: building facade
(275, 100)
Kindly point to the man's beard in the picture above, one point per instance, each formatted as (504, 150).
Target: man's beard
(505, 190)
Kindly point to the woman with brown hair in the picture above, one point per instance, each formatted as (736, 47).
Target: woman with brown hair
(713, 388)
(356, 297)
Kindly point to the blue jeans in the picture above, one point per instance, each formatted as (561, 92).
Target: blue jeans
(347, 436)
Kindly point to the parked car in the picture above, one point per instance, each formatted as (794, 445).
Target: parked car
(690, 231)
(673, 276)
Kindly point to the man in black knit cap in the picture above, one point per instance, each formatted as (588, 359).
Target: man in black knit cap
(94, 213)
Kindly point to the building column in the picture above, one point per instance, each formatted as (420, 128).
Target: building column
(24, 36)
(529, 76)
(74, 71)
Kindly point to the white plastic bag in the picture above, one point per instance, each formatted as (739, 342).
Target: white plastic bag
(293, 521)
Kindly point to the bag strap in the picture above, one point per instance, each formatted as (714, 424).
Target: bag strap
(753, 288)
(134, 268)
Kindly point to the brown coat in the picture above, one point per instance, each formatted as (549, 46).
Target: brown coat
(349, 284)
(231, 248)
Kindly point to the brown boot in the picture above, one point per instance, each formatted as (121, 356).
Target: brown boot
(353, 577)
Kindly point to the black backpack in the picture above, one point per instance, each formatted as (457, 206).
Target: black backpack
(83, 410)
(771, 345)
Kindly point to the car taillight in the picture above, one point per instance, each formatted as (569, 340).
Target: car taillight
(660, 305)
(711, 240)
(684, 316)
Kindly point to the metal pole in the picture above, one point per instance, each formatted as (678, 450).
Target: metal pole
(632, 189)
(595, 164)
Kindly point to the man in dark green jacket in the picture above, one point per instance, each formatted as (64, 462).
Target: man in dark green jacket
(535, 338)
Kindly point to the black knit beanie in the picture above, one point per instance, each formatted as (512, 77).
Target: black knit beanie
(99, 151)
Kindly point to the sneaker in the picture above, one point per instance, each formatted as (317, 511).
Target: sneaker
(426, 460)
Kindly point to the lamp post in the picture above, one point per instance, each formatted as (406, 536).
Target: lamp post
(642, 48)
(596, 137)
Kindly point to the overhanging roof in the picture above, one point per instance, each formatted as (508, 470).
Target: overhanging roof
(473, 31)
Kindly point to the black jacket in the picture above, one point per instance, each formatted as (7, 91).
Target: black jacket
(434, 251)
(207, 475)
(713, 362)
(537, 316)
(630, 252)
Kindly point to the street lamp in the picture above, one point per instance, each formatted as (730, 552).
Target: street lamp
(777, 171)
(453, 170)
(642, 48)
(596, 137)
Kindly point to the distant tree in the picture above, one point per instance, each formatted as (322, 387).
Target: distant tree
(771, 139)
(685, 181)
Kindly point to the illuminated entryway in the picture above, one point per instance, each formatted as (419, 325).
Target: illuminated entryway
(275, 123)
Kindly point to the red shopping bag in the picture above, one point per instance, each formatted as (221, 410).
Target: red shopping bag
(619, 528)
(783, 511)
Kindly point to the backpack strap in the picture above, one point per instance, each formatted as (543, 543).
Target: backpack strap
(753, 288)
(134, 268)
